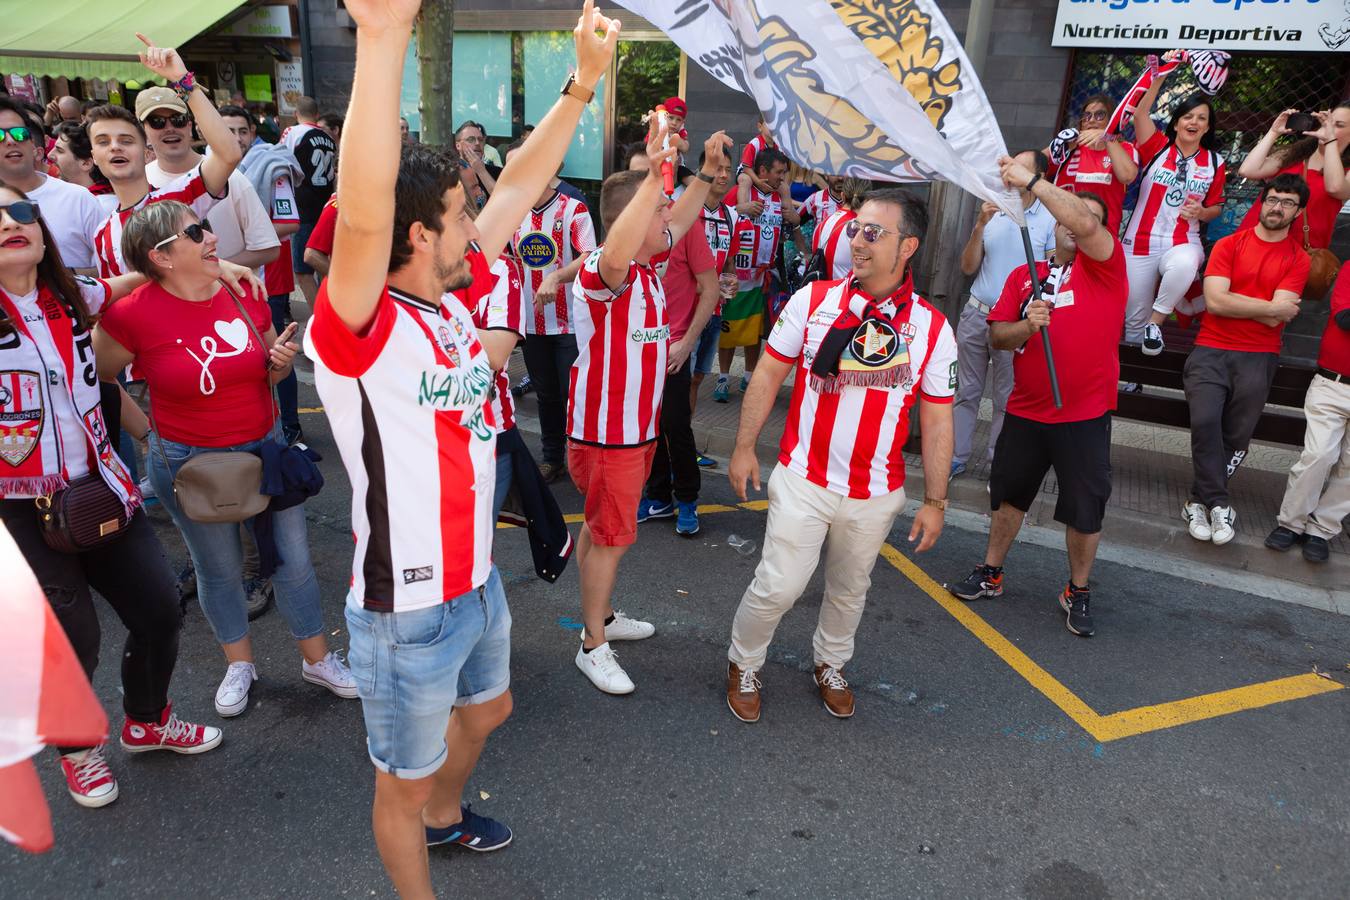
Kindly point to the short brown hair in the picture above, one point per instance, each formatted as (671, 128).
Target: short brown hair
(107, 113)
(147, 227)
(1103, 99)
(616, 193)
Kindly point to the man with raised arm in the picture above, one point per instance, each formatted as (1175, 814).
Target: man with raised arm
(406, 383)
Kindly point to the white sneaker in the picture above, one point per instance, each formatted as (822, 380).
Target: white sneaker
(602, 667)
(1221, 519)
(232, 695)
(626, 629)
(330, 672)
(1197, 521)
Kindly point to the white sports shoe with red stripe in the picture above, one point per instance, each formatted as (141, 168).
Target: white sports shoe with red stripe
(88, 778)
(169, 733)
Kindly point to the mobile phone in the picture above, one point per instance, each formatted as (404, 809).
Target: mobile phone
(1300, 122)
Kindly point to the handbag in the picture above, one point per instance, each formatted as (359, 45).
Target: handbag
(1323, 264)
(82, 515)
(223, 486)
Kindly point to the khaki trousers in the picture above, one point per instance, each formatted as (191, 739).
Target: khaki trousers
(1307, 508)
(802, 518)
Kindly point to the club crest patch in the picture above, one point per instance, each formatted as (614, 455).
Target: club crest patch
(875, 344)
(537, 250)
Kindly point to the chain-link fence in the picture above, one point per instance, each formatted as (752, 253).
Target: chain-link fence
(1259, 87)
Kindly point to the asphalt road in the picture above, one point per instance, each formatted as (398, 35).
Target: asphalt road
(956, 778)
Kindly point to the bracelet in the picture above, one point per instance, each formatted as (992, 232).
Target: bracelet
(1032, 183)
(704, 177)
(1331, 141)
(185, 85)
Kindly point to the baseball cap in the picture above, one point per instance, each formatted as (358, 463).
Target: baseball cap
(151, 99)
(676, 107)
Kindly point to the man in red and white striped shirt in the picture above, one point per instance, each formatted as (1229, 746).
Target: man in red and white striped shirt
(624, 338)
(554, 239)
(862, 350)
(406, 382)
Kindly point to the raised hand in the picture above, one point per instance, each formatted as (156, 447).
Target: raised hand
(380, 15)
(1326, 130)
(715, 150)
(163, 61)
(1281, 124)
(1013, 173)
(987, 211)
(656, 140)
(593, 51)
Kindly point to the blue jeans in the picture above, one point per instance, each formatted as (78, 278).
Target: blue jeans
(504, 473)
(705, 354)
(288, 388)
(219, 559)
(413, 668)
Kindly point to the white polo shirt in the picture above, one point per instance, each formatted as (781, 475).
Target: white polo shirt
(1003, 250)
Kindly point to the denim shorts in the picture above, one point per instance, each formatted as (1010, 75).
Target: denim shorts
(413, 668)
(705, 354)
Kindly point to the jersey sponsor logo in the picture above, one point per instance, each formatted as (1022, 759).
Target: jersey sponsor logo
(650, 335)
(952, 372)
(284, 208)
(538, 250)
(21, 414)
(418, 573)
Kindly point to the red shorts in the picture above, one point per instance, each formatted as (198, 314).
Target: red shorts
(611, 478)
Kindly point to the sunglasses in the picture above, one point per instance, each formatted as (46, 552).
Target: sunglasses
(196, 232)
(25, 212)
(177, 120)
(870, 232)
(18, 134)
(1099, 116)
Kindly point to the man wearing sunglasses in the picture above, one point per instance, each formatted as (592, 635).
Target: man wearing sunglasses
(1252, 288)
(863, 349)
(1098, 162)
(119, 142)
(70, 211)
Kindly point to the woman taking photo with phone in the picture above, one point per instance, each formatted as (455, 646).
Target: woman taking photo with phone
(210, 360)
(1319, 153)
(57, 448)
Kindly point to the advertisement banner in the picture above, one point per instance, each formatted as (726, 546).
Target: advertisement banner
(290, 86)
(1268, 25)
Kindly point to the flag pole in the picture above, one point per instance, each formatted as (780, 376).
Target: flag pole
(1045, 332)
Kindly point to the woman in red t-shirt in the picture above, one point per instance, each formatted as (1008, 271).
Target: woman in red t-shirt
(1320, 156)
(210, 390)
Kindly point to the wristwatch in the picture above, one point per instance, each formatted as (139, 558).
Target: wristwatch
(938, 504)
(573, 88)
(704, 177)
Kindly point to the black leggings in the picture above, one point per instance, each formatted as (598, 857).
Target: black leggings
(133, 576)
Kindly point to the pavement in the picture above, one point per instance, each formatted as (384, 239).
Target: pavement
(1193, 748)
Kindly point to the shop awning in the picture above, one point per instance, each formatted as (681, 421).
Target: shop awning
(97, 38)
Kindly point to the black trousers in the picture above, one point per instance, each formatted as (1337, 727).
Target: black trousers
(132, 574)
(675, 472)
(1227, 391)
(549, 359)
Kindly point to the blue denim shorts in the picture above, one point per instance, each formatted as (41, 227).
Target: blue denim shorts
(705, 354)
(413, 668)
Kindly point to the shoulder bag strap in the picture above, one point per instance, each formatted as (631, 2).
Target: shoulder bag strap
(1307, 231)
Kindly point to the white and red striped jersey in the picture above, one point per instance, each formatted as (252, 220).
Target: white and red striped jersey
(623, 336)
(819, 206)
(849, 440)
(720, 226)
(502, 309)
(408, 402)
(1156, 224)
(551, 237)
(830, 238)
(759, 240)
(752, 149)
(187, 188)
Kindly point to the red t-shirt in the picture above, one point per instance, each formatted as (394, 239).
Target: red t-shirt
(688, 258)
(1085, 329)
(1254, 268)
(1091, 170)
(1335, 352)
(207, 374)
(321, 238)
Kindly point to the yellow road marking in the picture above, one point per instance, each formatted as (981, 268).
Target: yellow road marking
(310, 409)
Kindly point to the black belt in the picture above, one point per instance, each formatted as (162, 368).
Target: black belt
(1333, 376)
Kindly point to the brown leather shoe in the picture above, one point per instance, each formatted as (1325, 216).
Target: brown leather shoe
(551, 472)
(834, 691)
(743, 693)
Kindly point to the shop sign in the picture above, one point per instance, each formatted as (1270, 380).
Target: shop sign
(290, 86)
(263, 22)
(1267, 25)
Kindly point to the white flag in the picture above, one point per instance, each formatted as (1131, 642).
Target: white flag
(872, 88)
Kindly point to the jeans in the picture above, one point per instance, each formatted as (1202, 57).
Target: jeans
(288, 388)
(504, 474)
(549, 359)
(218, 556)
(131, 573)
(675, 466)
(705, 354)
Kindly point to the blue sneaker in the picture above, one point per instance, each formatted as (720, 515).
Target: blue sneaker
(687, 522)
(722, 391)
(473, 832)
(745, 383)
(958, 468)
(707, 462)
(655, 509)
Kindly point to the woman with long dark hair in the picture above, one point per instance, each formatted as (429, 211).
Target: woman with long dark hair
(210, 373)
(1181, 187)
(54, 436)
(1320, 155)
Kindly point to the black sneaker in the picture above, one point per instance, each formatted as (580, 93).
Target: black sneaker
(473, 832)
(1316, 549)
(1281, 539)
(292, 434)
(981, 582)
(1075, 606)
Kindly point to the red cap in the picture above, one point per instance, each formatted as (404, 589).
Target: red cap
(676, 107)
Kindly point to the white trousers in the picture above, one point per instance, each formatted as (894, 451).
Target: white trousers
(1158, 282)
(802, 518)
(1308, 507)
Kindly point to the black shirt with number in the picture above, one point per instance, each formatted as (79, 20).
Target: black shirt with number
(317, 155)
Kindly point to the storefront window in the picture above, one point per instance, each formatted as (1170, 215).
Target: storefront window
(548, 57)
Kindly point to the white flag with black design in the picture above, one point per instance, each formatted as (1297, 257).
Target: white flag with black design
(871, 88)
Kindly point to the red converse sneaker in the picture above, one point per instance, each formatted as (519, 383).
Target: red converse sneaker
(170, 733)
(88, 777)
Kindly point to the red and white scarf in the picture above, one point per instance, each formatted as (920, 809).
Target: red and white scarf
(33, 455)
(1210, 68)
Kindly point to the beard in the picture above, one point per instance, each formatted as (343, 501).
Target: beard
(1276, 221)
(455, 276)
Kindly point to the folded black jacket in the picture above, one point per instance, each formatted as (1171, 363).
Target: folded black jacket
(531, 505)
